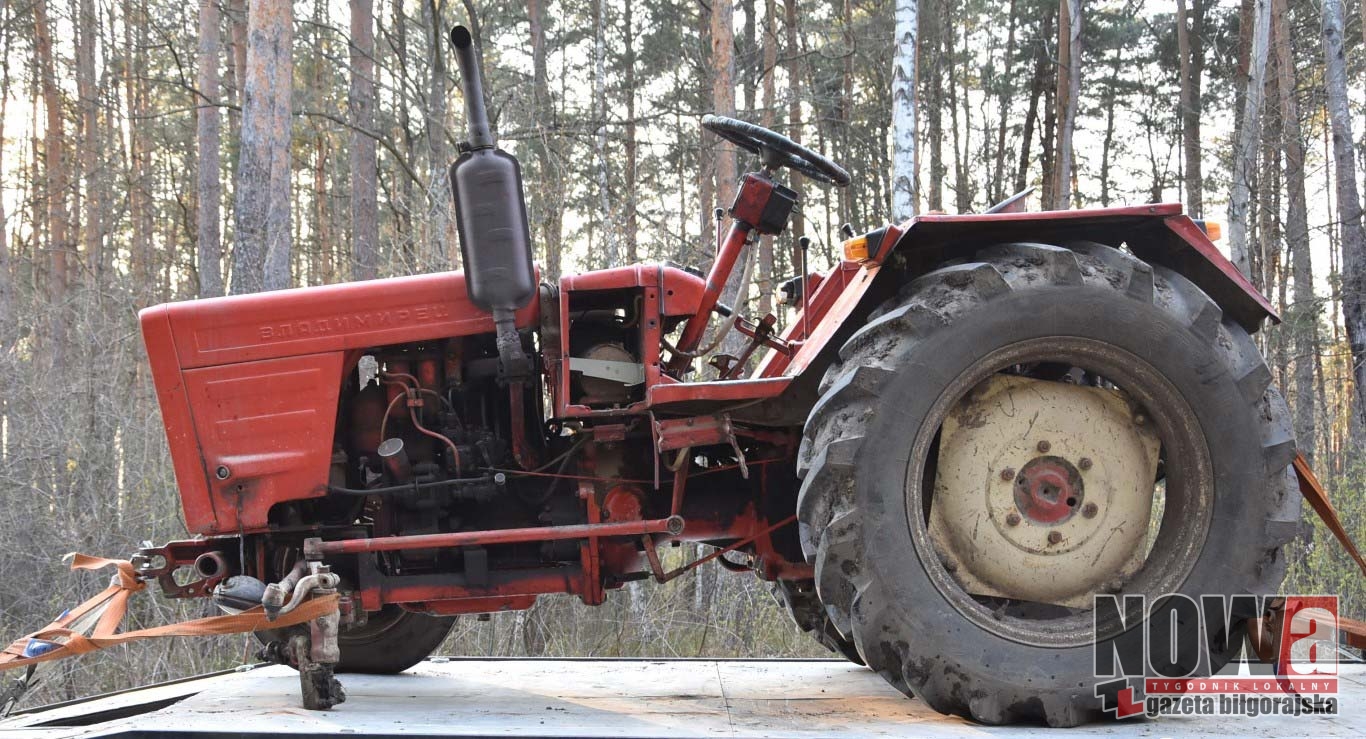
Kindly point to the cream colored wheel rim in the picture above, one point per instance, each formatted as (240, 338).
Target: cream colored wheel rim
(1043, 490)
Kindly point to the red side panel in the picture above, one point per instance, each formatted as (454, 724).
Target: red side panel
(268, 426)
(310, 320)
(190, 475)
(251, 382)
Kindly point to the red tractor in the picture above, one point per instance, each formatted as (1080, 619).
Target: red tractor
(975, 424)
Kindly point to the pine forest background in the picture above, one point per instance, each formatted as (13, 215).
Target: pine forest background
(154, 150)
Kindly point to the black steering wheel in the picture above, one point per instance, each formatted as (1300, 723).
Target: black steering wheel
(776, 150)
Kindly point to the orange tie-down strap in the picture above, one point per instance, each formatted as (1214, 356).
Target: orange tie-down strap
(1313, 492)
(60, 640)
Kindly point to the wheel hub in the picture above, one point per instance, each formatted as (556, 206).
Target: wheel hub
(1048, 490)
(1043, 490)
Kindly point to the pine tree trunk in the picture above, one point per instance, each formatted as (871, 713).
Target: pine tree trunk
(723, 91)
(770, 62)
(236, 69)
(549, 206)
(135, 58)
(949, 41)
(319, 264)
(998, 172)
(904, 193)
(706, 156)
(1304, 316)
(6, 276)
(629, 183)
(745, 64)
(736, 291)
(1107, 146)
(92, 239)
(794, 117)
(848, 196)
(1249, 136)
(1189, 34)
(403, 209)
(1242, 60)
(964, 186)
(1036, 91)
(208, 247)
(364, 175)
(441, 249)
(237, 25)
(1352, 238)
(1068, 93)
(55, 180)
(1048, 134)
(609, 253)
(932, 62)
(261, 249)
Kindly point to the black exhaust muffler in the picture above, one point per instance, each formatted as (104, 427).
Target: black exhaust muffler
(490, 216)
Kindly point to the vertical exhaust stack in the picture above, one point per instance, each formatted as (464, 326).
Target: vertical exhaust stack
(490, 216)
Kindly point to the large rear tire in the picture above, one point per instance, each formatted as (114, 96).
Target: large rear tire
(798, 598)
(871, 444)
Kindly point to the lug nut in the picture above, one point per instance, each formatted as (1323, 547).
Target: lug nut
(1044, 446)
(1008, 474)
(1090, 510)
(1140, 419)
(1084, 463)
(1054, 537)
(1012, 519)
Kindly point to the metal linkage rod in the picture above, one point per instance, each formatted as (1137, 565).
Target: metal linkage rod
(316, 548)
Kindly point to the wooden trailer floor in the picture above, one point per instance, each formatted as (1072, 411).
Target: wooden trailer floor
(622, 699)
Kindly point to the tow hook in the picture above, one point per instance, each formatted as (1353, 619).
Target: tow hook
(313, 652)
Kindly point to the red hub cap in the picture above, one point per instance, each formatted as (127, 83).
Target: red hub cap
(1048, 490)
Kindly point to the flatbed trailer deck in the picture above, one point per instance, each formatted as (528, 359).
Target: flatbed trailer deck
(623, 699)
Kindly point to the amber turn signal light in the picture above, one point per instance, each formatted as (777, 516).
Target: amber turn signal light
(1214, 230)
(856, 249)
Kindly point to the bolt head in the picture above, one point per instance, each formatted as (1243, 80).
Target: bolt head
(1044, 446)
(1008, 474)
(1084, 463)
(1090, 510)
(1054, 537)
(222, 472)
(1012, 519)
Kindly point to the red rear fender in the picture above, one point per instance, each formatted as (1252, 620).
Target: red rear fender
(1158, 234)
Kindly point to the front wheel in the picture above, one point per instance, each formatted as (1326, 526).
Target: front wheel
(391, 641)
(1013, 436)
